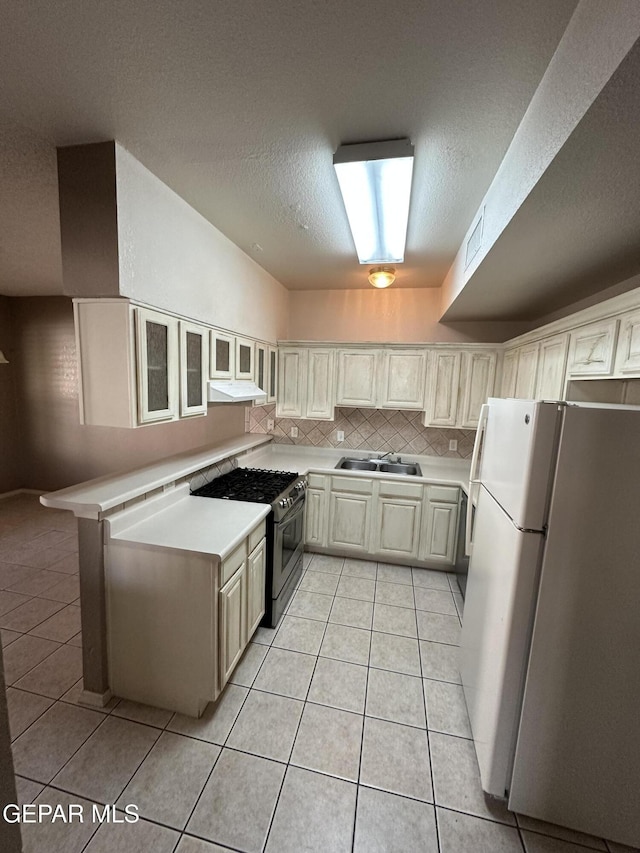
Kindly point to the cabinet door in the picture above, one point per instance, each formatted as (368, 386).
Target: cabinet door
(194, 355)
(222, 349)
(591, 349)
(397, 527)
(292, 383)
(443, 384)
(315, 528)
(552, 362)
(509, 373)
(244, 359)
(439, 533)
(157, 356)
(233, 622)
(357, 378)
(255, 587)
(478, 377)
(320, 384)
(350, 521)
(628, 354)
(402, 385)
(261, 366)
(272, 374)
(527, 370)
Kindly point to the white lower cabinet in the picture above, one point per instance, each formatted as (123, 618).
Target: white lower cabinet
(438, 539)
(256, 567)
(233, 622)
(397, 520)
(316, 511)
(350, 505)
(178, 622)
(391, 520)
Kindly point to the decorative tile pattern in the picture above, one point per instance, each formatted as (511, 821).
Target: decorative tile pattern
(364, 429)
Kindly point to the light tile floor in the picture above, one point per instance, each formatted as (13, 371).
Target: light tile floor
(343, 730)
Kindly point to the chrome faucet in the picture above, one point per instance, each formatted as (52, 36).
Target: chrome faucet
(389, 453)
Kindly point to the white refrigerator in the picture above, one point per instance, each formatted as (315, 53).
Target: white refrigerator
(550, 646)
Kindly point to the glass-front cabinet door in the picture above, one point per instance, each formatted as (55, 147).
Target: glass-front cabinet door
(261, 366)
(244, 359)
(272, 374)
(194, 354)
(157, 363)
(222, 355)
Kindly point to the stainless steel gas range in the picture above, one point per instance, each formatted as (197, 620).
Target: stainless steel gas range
(285, 491)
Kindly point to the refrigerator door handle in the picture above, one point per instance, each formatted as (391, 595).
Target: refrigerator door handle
(473, 478)
(468, 532)
(475, 459)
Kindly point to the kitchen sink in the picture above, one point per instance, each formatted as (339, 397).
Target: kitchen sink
(410, 469)
(357, 465)
(401, 468)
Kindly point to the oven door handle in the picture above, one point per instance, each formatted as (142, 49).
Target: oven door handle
(295, 510)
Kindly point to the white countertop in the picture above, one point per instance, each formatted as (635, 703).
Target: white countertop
(183, 522)
(88, 500)
(303, 459)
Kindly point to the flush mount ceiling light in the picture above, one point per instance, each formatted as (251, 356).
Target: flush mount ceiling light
(382, 276)
(375, 182)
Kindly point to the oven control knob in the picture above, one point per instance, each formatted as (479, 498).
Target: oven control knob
(284, 503)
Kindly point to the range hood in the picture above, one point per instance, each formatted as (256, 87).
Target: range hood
(235, 392)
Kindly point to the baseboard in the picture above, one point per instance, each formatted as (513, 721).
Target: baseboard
(94, 700)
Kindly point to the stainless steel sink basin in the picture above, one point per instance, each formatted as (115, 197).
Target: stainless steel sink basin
(400, 468)
(357, 465)
(406, 468)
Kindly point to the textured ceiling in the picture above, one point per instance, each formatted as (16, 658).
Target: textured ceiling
(239, 105)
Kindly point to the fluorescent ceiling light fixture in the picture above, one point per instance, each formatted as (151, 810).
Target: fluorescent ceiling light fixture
(375, 182)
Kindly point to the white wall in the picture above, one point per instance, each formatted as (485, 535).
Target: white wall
(597, 39)
(403, 315)
(171, 257)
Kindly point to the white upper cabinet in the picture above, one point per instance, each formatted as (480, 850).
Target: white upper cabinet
(157, 357)
(592, 349)
(320, 397)
(261, 366)
(628, 352)
(292, 382)
(222, 350)
(509, 373)
(552, 361)
(244, 366)
(527, 372)
(478, 374)
(194, 355)
(443, 385)
(357, 378)
(272, 374)
(402, 379)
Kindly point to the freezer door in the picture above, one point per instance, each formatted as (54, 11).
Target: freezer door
(518, 457)
(498, 617)
(578, 751)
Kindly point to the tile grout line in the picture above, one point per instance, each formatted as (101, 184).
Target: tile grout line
(295, 737)
(364, 722)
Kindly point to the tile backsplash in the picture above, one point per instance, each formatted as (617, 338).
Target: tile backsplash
(365, 429)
